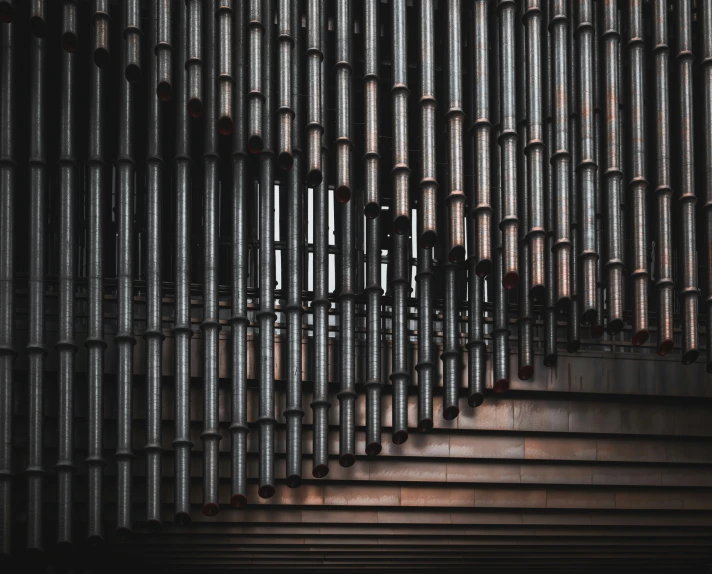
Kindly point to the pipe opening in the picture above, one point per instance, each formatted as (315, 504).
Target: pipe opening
(102, 58)
(451, 413)
(475, 399)
(501, 386)
(347, 460)
(401, 224)
(641, 337)
(371, 210)
(164, 90)
(38, 26)
(182, 519)
(510, 280)
(285, 160)
(525, 373)
(400, 436)
(483, 267)
(690, 357)
(195, 108)
(133, 73)
(70, 42)
(293, 481)
(314, 177)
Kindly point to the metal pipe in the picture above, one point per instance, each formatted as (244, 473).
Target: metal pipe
(689, 293)
(164, 51)
(598, 327)
(482, 127)
(426, 352)
(225, 17)
(400, 374)
(38, 18)
(132, 41)
(399, 93)
(707, 79)
(194, 57)
(372, 210)
(427, 210)
(315, 111)
(153, 335)
(7, 286)
(343, 70)
(7, 11)
(182, 331)
(101, 18)
(663, 191)
(286, 108)
(573, 322)
(266, 315)
(95, 344)
(124, 339)
(70, 39)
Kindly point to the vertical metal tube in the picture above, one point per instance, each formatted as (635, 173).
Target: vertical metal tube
(689, 293)
(266, 315)
(211, 320)
(226, 17)
(451, 357)
(400, 374)
(164, 51)
(70, 40)
(7, 286)
(426, 352)
(38, 18)
(427, 210)
(153, 335)
(132, 41)
(707, 79)
(399, 92)
(663, 190)
(482, 127)
(286, 107)
(343, 70)
(598, 327)
(66, 345)
(125, 340)
(194, 57)
(182, 331)
(372, 210)
(573, 323)
(96, 172)
(315, 124)
(638, 182)
(101, 19)
(295, 276)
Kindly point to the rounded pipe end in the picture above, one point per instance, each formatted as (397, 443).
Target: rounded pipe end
(238, 501)
(164, 91)
(343, 194)
(320, 471)
(371, 210)
(133, 74)
(525, 373)
(501, 386)
(195, 108)
(266, 491)
(550, 360)
(664, 347)
(211, 509)
(102, 58)
(690, 357)
(483, 267)
(401, 224)
(182, 519)
(510, 280)
(347, 459)
(294, 481)
(400, 436)
(597, 331)
(538, 293)
(451, 412)
(475, 400)
(285, 160)
(425, 425)
(614, 327)
(457, 254)
(373, 448)
(154, 525)
(428, 239)
(38, 26)
(314, 177)
(641, 337)
(35, 559)
(70, 43)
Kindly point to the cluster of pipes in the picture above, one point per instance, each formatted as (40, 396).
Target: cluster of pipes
(537, 194)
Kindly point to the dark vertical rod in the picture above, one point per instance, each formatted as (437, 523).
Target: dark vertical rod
(598, 327)
(102, 20)
(66, 346)
(153, 335)
(38, 18)
(286, 107)
(425, 368)
(613, 175)
(182, 330)
(96, 172)
(663, 190)
(400, 374)
(573, 323)
(266, 315)
(587, 167)
(482, 127)
(7, 286)
(451, 356)
(125, 340)
(707, 79)
(508, 137)
(343, 70)
(427, 210)
(132, 41)
(638, 183)
(399, 93)
(70, 39)
(372, 210)
(211, 321)
(689, 293)
(194, 57)
(36, 349)
(226, 17)
(315, 123)
(164, 51)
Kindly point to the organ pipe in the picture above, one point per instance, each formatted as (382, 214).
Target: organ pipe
(598, 328)
(707, 79)
(132, 41)
(400, 172)
(315, 123)
(164, 50)
(102, 20)
(286, 108)
(70, 39)
(400, 375)
(343, 70)
(194, 57)
(427, 215)
(573, 322)
(226, 81)
(38, 18)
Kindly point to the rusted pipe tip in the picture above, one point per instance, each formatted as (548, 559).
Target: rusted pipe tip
(664, 347)
(457, 254)
(425, 425)
(428, 239)
(483, 268)
(102, 58)
(597, 331)
(211, 509)
(153, 525)
(34, 557)
(401, 224)
(164, 91)
(314, 177)
(133, 74)
(371, 210)
(255, 144)
(510, 280)
(6, 13)
(501, 386)
(451, 412)
(525, 372)
(182, 519)
(475, 399)
(38, 26)
(320, 471)
(641, 337)
(285, 160)
(550, 360)
(343, 194)
(266, 491)
(70, 42)
(195, 108)
(400, 436)
(346, 460)
(373, 448)
(225, 125)
(294, 481)
(690, 357)
(573, 346)
(238, 501)
(614, 327)
(538, 293)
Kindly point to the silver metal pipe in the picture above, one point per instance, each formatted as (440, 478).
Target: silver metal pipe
(266, 315)
(38, 18)
(451, 356)
(689, 292)
(598, 327)
(295, 256)
(124, 339)
(638, 182)
(70, 14)
(240, 256)
(343, 70)
(211, 319)
(132, 41)
(101, 19)
(182, 330)
(400, 172)
(707, 79)
(663, 190)
(36, 349)
(153, 335)
(164, 50)
(427, 210)
(286, 63)
(371, 81)
(482, 128)
(573, 320)
(7, 285)
(194, 57)
(95, 344)
(400, 374)
(315, 111)
(66, 346)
